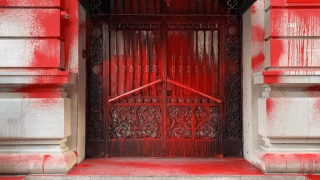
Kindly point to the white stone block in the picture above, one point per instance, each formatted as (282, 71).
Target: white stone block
(11, 123)
(35, 118)
(283, 117)
(30, 22)
(25, 53)
(314, 117)
(315, 79)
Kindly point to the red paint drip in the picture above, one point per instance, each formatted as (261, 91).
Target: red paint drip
(45, 159)
(76, 153)
(270, 109)
(307, 160)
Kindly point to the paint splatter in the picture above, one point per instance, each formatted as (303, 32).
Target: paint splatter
(45, 159)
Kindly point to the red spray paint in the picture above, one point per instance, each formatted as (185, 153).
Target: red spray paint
(257, 37)
(45, 159)
(270, 109)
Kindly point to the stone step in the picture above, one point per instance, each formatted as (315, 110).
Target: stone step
(265, 177)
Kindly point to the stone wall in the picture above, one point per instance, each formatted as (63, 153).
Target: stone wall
(284, 86)
(42, 124)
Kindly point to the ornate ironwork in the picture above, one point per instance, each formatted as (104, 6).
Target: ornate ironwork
(207, 122)
(95, 122)
(180, 121)
(99, 6)
(144, 120)
(95, 6)
(233, 78)
(149, 121)
(124, 123)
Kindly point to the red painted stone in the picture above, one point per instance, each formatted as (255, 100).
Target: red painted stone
(293, 22)
(29, 22)
(293, 53)
(30, 3)
(302, 1)
(291, 3)
(165, 167)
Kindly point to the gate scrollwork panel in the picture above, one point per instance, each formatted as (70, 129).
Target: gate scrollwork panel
(135, 121)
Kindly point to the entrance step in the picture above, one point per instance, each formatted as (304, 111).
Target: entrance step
(265, 177)
(165, 169)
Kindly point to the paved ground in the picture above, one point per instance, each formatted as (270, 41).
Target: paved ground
(165, 169)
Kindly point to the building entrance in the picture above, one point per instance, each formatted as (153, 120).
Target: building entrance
(164, 82)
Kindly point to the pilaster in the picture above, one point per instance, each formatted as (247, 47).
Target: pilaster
(288, 107)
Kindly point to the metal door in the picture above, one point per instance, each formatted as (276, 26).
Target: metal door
(164, 85)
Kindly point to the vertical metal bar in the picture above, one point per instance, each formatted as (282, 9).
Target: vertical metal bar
(185, 7)
(122, 67)
(142, 7)
(165, 84)
(157, 6)
(192, 7)
(150, 6)
(145, 62)
(208, 6)
(112, 7)
(153, 60)
(200, 7)
(212, 67)
(197, 64)
(169, 7)
(201, 53)
(106, 78)
(134, 6)
(114, 64)
(173, 61)
(204, 65)
(119, 7)
(126, 6)
(137, 62)
(181, 66)
(189, 69)
(129, 60)
(215, 5)
(216, 62)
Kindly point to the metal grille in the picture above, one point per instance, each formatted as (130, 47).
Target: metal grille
(166, 6)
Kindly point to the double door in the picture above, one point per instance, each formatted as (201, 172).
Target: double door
(164, 87)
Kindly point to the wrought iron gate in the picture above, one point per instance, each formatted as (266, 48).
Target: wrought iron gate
(164, 81)
(155, 82)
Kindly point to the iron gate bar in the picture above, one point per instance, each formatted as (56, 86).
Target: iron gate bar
(135, 90)
(193, 90)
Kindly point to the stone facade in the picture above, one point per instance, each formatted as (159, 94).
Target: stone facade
(281, 111)
(42, 96)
